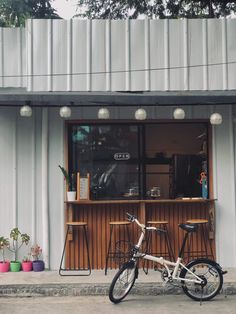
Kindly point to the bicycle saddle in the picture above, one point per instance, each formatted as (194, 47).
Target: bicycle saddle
(188, 227)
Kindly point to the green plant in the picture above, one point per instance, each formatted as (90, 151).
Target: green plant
(70, 179)
(4, 243)
(36, 252)
(26, 258)
(18, 239)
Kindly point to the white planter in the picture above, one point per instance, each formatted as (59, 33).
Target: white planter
(71, 196)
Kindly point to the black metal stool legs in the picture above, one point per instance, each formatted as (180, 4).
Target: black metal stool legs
(121, 247)
(109, 249)
(63, 253)
(76, 271)
(167, 252)
(196, 252)
(87, 247)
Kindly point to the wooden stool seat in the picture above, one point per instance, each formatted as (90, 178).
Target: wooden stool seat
(157, 222)
(76, 223)
(122, 247)
(197, 221)
(76, 271)
(119, 223)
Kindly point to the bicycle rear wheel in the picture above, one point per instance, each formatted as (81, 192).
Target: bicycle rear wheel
(211, 275)
(123, 282)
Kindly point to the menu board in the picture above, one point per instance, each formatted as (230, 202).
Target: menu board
(83, 187)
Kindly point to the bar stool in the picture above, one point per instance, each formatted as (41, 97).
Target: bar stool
(204, 237)
(165, 249)
(62, 271)
(116, 251)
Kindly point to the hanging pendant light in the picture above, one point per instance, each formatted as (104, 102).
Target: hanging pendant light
(140, 114)
(65, 112)
(216, 118)
(179, 114)
(26, 111)
(103, 113)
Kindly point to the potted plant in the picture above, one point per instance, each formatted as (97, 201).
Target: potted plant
(4, 265)
(36, 251)
(70, 181)
(27, 264)
(18, 239)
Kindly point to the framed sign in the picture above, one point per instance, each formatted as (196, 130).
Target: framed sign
(83, 187)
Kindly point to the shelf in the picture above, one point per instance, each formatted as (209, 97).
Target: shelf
(185, 200)
(158, 161)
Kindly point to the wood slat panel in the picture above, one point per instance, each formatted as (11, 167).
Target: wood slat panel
(99, 214)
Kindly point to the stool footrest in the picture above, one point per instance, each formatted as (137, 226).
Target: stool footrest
(72, 270)
(66, 272)
(120, 250)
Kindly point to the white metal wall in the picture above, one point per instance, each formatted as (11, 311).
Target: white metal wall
(12, 57)
(109, 50)
(104, 55)
(22, 160)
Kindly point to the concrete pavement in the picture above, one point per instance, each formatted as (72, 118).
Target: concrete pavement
(50, 283)
(163, 304)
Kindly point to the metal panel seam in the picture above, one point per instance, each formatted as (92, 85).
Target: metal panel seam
(224, 54)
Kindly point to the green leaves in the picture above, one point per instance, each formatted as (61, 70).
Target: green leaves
(14, 234)
(120, 9)
(17, 236)
(4, 242)
(15, 12)
(66, 176)
(25, 238)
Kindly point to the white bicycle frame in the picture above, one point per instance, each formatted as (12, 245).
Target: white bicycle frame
(171, 275)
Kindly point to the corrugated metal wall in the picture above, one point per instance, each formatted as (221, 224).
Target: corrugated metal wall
(12, 57)
(103, 55)
(113, 48)
(99, 55)
(21, 177)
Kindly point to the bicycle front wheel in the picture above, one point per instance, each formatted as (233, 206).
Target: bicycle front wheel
(123, 282)
(212, 280)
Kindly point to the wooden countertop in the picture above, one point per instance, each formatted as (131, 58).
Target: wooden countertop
(132, 201)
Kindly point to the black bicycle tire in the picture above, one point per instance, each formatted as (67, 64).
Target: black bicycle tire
(117, 276)
(207, 262)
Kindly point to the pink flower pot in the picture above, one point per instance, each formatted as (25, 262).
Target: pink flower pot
(27, 266)
(4, 267)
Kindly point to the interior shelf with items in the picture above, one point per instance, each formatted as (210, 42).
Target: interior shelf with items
(158, 160)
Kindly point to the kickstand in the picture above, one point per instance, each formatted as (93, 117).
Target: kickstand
(224, 292)
(201, 297)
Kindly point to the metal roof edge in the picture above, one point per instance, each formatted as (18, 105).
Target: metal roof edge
(19, 96)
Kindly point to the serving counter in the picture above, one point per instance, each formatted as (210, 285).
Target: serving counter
(98, 214)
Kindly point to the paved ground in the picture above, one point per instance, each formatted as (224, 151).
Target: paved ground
(49, 283)
(132, 304)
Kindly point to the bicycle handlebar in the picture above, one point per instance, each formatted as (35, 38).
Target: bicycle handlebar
(132, 218)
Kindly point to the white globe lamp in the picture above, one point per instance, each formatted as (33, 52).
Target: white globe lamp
(216, 118)
(26, 111)
(103, 113)
(179, 114)
(140, 114)
(65, 112)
